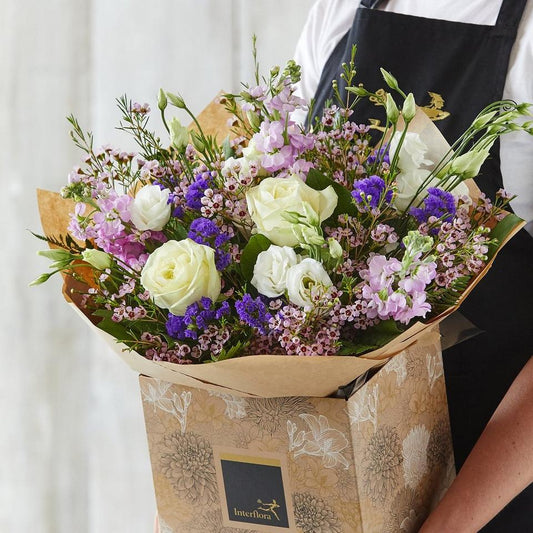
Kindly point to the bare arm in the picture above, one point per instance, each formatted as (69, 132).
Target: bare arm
(498, 468)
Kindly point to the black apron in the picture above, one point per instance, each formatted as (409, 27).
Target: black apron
(467, 65)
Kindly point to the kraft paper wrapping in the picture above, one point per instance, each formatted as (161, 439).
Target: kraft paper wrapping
(264, 375)
(378, 462)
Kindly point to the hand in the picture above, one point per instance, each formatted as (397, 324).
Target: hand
(498, 468)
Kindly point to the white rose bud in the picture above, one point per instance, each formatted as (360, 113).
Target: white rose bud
(270, 270)
(96, 258)
(179, 273)
(268, 201)
(150, 209)
(304, 280)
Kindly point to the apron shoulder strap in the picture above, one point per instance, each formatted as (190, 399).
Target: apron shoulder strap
(510, 14)
(371, 4)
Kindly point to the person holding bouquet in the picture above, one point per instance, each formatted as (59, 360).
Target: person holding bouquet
(468, 54)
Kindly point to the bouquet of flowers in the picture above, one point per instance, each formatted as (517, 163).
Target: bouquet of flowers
(334, 239)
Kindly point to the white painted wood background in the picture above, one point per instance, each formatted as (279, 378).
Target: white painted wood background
(73, 454)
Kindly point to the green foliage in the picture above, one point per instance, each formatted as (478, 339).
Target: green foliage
(257, 244)
(371, 339)
(501, 231)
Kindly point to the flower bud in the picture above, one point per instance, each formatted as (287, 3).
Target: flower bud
(307, 235)
(97, 259)
(392, 109)
(409, 108)
(390, 80)
(176, 100)
(41, 279)
(162, 100)
(197, 141)
(483, 120)
(468, 164)
(359, 91)
(335, 249)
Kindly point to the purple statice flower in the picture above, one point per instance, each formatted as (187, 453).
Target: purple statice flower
(369, 192)
(206, 232)
(254, 313)
(382, 154)
(438, 203)
(197, 319)
(178, 212)
(195, 192)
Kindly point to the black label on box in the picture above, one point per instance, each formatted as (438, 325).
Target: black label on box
(254, 490)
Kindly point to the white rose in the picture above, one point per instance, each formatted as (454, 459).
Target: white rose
(306, 279)
(273, 197)
(270, 270)
(179, 273)
(150, 209)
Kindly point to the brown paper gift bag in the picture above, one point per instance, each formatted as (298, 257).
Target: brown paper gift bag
(376, 462)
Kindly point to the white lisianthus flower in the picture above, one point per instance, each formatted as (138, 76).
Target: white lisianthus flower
(270, 270)
(305, 280)
(179, 273)
(273, 197)
(150, 209)
(415, 168)
(179, 135)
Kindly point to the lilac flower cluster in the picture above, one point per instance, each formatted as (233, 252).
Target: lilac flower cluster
(392, 291)
(206, 232)
(197, 318)
(107, 227)
(281, 142)
(439, 204)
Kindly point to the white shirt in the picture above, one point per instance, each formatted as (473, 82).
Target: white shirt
(329, 20)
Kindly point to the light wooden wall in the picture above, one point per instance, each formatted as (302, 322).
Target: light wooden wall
(73, 454)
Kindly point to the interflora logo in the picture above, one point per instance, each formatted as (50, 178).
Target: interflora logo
(264, 511)
(254, 489)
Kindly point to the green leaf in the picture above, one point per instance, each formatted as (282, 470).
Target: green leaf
(226, 147)
(233, 351)
(115, 329)
(257, 244)
(353, 348)
(501, 231)
(376, 337)
(345, 204)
